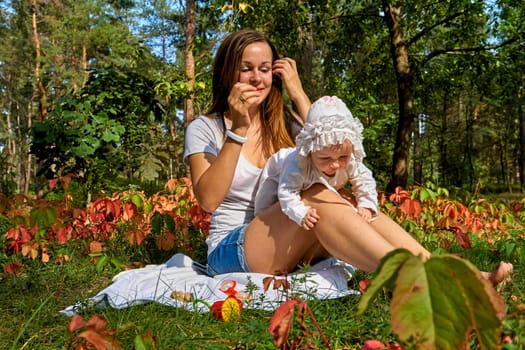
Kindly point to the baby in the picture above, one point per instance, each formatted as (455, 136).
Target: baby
(328, 151)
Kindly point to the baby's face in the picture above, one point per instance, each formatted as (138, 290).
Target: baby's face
(332, 158)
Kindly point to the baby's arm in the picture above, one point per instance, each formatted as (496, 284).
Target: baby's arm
(365, 213)
(364, 188)
(310, 219)
(291, 182)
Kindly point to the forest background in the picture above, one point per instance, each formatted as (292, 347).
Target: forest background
(95, 96)
(102, 90)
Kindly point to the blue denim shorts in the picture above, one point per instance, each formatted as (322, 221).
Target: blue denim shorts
(229, 255)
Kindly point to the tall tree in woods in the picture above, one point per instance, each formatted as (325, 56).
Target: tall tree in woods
(464, 25)
(20, 92)
(455, 67)
(189, 61)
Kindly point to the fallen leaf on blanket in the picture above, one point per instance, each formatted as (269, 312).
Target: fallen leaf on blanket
(182, 296)
(277, 283)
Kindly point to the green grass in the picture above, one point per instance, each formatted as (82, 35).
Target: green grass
(30, 303)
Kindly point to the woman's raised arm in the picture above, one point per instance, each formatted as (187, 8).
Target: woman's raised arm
(286, 68)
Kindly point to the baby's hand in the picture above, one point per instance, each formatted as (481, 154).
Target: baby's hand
(310, 219)
(365, 213)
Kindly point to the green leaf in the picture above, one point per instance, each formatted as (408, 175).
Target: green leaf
(388, 270)
(109, 136)
(170, 223)
(83, 150)
(437, 303)
(101, 263)
(150, 168)
(43, 217)
(156, 223)
(427, 193)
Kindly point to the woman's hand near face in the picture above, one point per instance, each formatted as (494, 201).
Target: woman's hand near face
(240, 100)
(286, 68)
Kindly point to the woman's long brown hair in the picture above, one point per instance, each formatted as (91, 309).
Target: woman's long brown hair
(226, 69)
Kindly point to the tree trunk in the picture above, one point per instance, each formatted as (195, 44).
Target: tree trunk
(521, 166)
(306, 37)
(84, 65)
(190, 61)
(11, 148)
(405, 90)
(38, 79)
(418, 154)
(443, 156)
(26, 165)
(470, 119)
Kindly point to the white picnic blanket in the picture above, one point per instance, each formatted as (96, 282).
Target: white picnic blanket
(160, 283)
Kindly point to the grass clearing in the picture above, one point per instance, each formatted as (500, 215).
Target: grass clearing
(30, 303)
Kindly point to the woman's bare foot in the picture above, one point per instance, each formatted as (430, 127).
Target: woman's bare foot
(501, 274)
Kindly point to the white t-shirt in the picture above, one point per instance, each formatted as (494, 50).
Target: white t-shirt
(283, 179)
(205, 134)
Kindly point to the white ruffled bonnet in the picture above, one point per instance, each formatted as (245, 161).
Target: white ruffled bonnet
(330, 122)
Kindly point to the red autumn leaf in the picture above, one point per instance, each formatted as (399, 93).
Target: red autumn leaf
(64, 234)
(12, 268)
(281, 322)
(446, 243)
(76, 323)
(516, 207)
(110, 209)
(186, 181)
(475, 224)
(462, 238)
(165, 241)
(95, 247)
(130, 210)
(66, 180)
(394, 346)
(30, 250)
(363, 285)
(94, 338)
(98, 322)
(399, 195)
(53, 183)
(135, 236)
(281, 282)
(171, 184)
(411, 207)
(267, 281)
(373, 345)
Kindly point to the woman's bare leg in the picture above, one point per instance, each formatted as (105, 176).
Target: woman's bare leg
(501, 274)
(343, 233)
(397, 236)
(275, 243)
